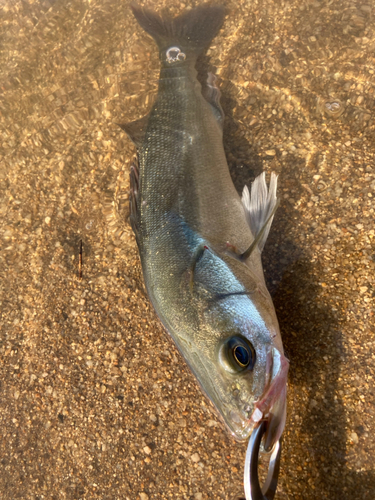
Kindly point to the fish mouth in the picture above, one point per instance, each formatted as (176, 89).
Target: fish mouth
(271, 406)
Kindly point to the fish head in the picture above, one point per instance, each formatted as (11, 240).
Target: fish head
(239, 358)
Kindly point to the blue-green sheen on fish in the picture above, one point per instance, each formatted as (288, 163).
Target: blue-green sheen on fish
(199, 244)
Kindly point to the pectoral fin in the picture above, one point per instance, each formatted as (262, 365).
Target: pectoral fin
(212, 94)
(260, 207)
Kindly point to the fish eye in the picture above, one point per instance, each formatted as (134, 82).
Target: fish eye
(237, 354)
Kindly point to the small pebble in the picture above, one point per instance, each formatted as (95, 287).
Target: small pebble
(354, 437)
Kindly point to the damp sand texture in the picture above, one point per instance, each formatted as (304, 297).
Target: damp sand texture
(95, 400)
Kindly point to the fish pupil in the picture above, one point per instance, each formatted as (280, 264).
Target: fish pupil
(241, 355)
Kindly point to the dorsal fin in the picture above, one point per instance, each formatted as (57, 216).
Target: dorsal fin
(260, 207)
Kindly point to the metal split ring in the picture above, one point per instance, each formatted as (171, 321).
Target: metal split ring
(253, 490)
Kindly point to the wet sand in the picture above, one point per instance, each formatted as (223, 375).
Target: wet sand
(95, 401)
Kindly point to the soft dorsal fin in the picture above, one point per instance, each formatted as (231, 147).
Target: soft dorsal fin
(260, 207)
(136, 130)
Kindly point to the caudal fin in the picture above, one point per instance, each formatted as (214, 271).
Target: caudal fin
(191, 32)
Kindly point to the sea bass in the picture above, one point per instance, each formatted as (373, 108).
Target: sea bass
(199, 244)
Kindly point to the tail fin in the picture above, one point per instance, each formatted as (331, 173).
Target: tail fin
(191, 32)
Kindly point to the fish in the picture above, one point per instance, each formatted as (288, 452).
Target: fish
(199, 242)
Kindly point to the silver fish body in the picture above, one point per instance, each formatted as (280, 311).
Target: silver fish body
(192, 230)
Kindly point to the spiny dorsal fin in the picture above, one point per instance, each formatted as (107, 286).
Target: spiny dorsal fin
(260, 207)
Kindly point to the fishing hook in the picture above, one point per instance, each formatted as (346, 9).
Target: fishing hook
(253, 490)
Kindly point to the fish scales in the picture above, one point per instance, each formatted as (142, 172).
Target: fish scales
(192, 232)
(188, 171)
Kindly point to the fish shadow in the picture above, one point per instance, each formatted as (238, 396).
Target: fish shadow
(313, 342)
(243, 157)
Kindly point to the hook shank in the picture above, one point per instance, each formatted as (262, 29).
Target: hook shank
(253, 490)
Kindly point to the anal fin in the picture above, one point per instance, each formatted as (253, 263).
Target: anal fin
(212, 94)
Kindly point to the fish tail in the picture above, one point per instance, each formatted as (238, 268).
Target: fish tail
(185, 36)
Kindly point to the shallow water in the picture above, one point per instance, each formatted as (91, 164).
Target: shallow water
(95, 400)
